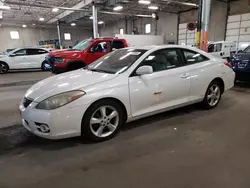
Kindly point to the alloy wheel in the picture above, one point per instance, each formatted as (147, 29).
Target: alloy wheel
(104, 121)
(3, 68)
(213, 95)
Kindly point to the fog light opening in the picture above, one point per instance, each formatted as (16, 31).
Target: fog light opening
(43, 128)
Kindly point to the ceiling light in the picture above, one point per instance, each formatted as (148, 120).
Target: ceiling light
(100, 22)
(73, 24)
(55, 9)
(145, 2)
(125, 1)
(153, 15)
(33, 24)
(41, 19)
(153, 7)
(117, 8)
(24, 25)
(4, 7)
(91, 17)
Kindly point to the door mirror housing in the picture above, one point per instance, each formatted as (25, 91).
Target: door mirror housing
(240, 51)
(144, 70)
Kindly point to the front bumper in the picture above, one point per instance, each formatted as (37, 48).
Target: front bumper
(63, 122)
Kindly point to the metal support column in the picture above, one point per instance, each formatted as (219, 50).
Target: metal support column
(59, 34)
(95, 22)
(198, 34)
(206, 5)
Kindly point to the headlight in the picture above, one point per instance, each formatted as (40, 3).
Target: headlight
(59, 100)
(58, 60)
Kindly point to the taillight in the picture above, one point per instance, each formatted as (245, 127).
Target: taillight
(228, 64)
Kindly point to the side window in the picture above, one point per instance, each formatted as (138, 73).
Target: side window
(41, 51)
(117, 44)
(100, 47)
(20, 52)
(218, 47)
(192, 57)
(163, 60)
(32, 52)
(211, 48)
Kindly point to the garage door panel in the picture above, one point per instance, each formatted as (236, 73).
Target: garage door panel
(190, 41)
(244, 38)
(190, 35)
(232, 38)
(245, 24)
(183, 26)
(182, 37)
(233, 25)
(182, 42)
(231, 32)
(234, 18)
(245, 16)
(182, 31)
(244, 31)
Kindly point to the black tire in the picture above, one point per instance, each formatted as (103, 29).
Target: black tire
(4, 68)
(87, 129)
(207, 101)
(43, 66)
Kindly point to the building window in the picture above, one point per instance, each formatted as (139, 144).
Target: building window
(121, 31)
(14, 35)
(67, 36)
(148, 28)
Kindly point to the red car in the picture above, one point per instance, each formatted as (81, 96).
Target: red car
(83, 54)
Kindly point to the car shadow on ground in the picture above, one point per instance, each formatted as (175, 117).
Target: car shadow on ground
(18, 139)
(24, 71)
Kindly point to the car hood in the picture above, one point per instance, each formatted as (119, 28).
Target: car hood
(69, 81)
(241, 56)
(65, 53)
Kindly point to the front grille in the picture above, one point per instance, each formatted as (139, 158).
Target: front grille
(27, 102)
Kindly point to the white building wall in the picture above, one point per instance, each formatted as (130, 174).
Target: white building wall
(29, 37)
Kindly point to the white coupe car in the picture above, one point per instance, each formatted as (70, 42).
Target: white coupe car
(25, 58)
(125, 85)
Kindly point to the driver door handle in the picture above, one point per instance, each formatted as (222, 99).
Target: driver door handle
(185, 75)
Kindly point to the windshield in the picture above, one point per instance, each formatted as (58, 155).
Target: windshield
(82, 45)
(117, 61)
(247, 50)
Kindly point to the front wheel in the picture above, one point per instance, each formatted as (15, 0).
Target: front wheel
(3, 68)
(212, 96)
(102, 120)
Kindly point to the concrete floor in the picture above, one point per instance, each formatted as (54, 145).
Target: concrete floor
(184, 148)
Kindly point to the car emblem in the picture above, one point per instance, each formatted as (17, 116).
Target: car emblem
(242, 64)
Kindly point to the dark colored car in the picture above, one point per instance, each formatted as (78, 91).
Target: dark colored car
(82, 54)
(241, 64)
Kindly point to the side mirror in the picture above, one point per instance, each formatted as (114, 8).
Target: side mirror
(144, 70)
(240, 51)
(12, 55)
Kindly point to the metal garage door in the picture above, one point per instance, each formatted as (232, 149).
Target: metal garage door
(238, 29)
(186, 37)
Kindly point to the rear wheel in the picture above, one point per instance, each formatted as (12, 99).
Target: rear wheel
(213, 95)
(3, 68)
(102, 120)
